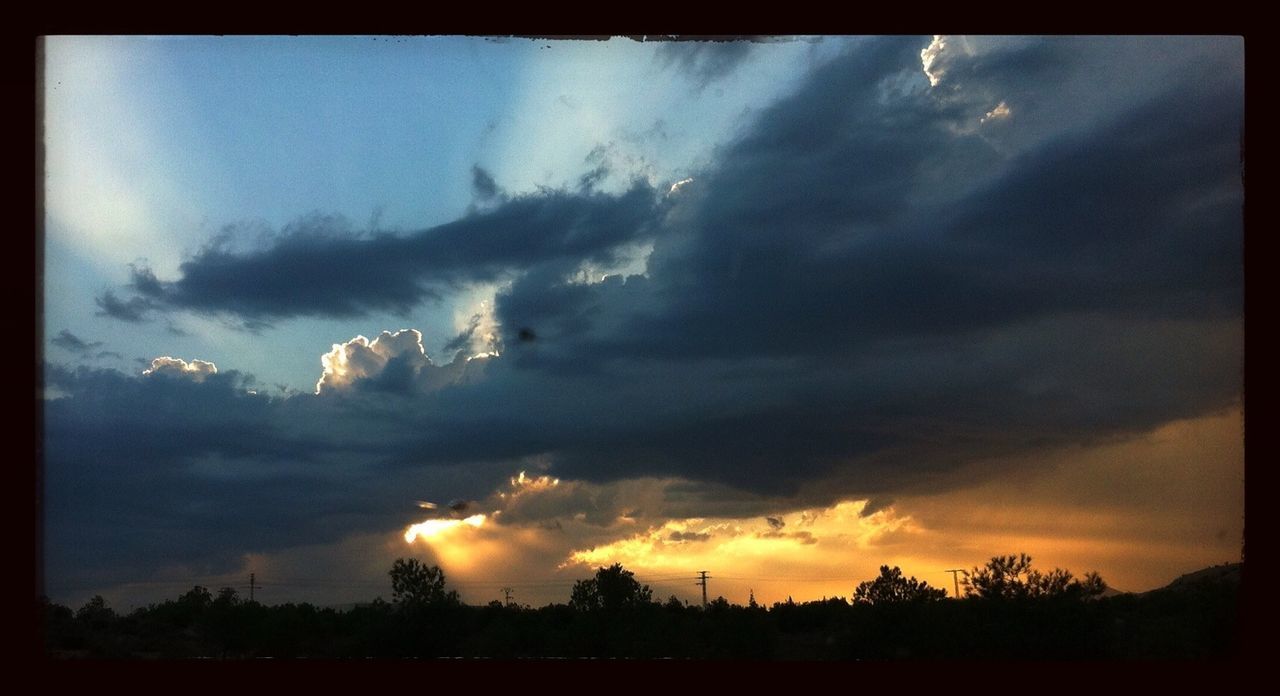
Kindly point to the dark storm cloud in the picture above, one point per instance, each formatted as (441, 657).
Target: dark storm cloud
(144, 281)
(689, 536)
(144, 472)
(874, 505)
(134, 309)
(73, 343)
(865, 234)
(844, 218)
(311, 269)
(216, 414)
(483, 185)
(866, 291)
(591, 179)
(704, 61)
(463, 339)
(119, 489)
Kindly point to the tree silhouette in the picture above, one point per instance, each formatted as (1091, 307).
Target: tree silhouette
(611, 589)
(414, 584)
(224, 622)
(95, 612)
(1092, 586)
(1012, 577)
(196, 599)
(893, 588)
(1186, 620)
(227, 597)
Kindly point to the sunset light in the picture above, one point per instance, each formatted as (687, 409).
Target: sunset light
(660, 346)
(432, 529)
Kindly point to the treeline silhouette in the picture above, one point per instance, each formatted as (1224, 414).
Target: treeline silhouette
(1008, 610)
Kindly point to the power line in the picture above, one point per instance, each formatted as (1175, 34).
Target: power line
(666, 580)
(955, 577)
(703, 581)
(795, 578)
(232, 581)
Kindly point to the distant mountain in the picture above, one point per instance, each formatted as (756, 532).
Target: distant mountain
(1227, 573)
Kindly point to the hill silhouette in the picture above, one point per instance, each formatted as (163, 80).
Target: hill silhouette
(1224, 574)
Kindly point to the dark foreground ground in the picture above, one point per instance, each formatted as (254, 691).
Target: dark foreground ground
(1188, 620)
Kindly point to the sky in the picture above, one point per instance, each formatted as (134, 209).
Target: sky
(783, 310)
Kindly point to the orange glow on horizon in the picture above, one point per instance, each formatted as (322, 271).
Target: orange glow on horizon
(1116, 507)
(816, 541)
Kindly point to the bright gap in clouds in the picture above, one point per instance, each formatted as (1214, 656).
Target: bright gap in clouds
(1115, 508)
(1091, 509)
(432, 529)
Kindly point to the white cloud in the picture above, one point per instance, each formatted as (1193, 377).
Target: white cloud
(629, 259)
(999, 113)
(929, 60)
(543, 499)
(679, 185)
(361, 358)
(196, 370)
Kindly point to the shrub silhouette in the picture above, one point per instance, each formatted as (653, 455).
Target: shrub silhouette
(1012, 578)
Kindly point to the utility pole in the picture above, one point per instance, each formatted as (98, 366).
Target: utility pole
(252, 584)
(506, 592)
(956, 578)
(703, 581)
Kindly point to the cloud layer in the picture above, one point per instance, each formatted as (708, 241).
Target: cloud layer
(316, 267)
(883, 282)
(73, 343)
(704, 61)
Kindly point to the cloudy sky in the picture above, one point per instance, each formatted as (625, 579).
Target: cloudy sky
(782, 310)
